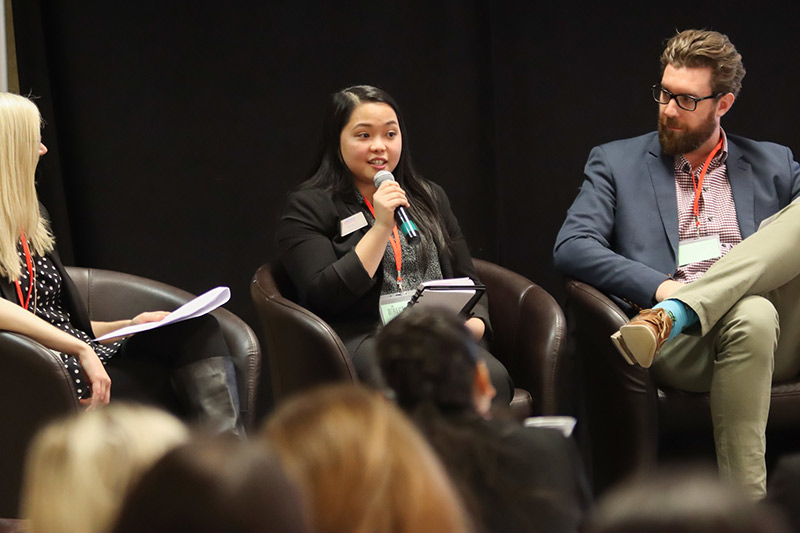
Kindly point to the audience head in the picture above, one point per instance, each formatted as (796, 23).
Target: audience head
(21, 131)
(361, 464)
(79, 468)
(703, 48)
(214, 484)
(429, 358)
(684, 500)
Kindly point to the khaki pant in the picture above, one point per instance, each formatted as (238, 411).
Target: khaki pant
(749, 309)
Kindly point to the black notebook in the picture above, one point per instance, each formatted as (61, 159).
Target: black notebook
(458, 297)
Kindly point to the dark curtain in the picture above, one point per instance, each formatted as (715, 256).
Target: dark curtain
(34, 80)
(176, 128)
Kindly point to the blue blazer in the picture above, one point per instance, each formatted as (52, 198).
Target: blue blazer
(621, 233)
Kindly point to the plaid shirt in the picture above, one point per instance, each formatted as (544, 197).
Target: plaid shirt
(717, 210)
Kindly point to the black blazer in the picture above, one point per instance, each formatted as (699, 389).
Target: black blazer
(543, 470)
(327, 273)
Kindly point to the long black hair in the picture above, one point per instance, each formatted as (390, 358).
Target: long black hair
(331, 172)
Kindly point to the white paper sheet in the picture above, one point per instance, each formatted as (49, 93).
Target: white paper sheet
(203, 304)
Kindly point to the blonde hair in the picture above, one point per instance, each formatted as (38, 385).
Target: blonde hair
(20, 131)
(362, 465)
(703, 48)
(79, 468)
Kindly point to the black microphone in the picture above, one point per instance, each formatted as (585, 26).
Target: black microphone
(406, 225)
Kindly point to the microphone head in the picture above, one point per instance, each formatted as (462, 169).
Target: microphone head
(381, 176)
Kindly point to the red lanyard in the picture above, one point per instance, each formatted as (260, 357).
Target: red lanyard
(394, 240)
(698, 187)
(28, 260)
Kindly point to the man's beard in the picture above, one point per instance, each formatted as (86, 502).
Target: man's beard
(684, 141)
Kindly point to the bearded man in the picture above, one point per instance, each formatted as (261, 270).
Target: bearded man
(655, 212)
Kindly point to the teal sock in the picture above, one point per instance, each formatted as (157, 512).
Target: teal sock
(681, 314)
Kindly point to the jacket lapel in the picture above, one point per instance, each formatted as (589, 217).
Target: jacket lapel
(662, 174)
(740, 176)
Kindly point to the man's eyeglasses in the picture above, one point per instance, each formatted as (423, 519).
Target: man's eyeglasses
(684, 101)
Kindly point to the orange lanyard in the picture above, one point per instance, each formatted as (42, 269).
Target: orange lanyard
(394, 240)
(698, 187)
(29, 261)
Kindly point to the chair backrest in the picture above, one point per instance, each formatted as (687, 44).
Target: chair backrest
(302, 349)
(111, 295)
(530, 336)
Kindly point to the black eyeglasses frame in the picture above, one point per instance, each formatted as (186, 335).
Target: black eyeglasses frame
(657, 89)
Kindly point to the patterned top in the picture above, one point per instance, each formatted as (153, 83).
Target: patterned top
(717, 209)
(413, 272)
(47, 304)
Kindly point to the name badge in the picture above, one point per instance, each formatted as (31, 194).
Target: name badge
(699, 249)
(352, 223)
(392, 305)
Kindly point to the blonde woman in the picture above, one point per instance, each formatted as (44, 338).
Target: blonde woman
(362, 465)
(338, 239)
(40, 301)
(79, 468)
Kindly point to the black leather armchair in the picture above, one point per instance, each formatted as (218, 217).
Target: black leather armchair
(529, 337)
(35, 387)
(630, 418)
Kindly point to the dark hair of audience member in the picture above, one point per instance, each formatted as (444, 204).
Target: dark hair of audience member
(361, 464)
(214, 484)
(687, 499)
(429, 359)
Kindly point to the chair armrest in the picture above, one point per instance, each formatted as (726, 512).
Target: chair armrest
(621, 400)
(302, 349)
(529, 335)
(34, 388)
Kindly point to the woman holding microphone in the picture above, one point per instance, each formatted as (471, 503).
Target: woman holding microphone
(337, 235)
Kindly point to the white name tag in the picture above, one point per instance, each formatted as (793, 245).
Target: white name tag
(352, 223)
(392, 305)
(699, 249)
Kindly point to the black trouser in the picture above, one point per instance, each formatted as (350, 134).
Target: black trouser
(142, 369)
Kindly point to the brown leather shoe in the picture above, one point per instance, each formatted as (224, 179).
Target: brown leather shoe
(640, 339)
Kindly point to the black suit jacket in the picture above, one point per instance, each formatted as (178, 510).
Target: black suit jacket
(327, 273)
(543, 469)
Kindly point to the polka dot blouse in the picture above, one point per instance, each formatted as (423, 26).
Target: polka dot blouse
(47, 304)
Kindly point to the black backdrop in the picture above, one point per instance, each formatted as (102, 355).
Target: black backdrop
(176, 128)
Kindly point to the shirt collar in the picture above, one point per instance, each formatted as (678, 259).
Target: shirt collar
(722, 156)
